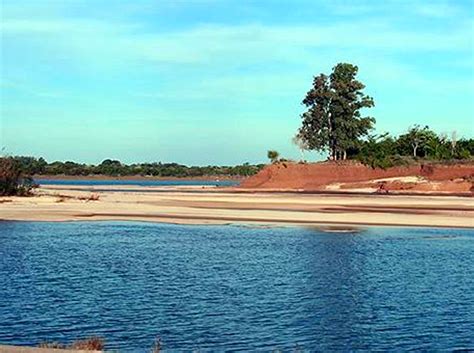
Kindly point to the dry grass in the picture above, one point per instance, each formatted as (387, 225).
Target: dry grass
(92, 197)
(62, 197)
(52, 345)
(87, 344)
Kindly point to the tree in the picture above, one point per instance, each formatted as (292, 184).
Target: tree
(438, 147)
(31, 165)
(110, 167)
(12, 180)
(377, 151)
(333, 121)
(301, 143)
(417, 138)
(273, 156)
(465, 147)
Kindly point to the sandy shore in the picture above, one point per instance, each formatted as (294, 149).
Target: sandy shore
(198, 205)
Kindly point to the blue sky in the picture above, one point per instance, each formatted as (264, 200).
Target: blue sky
(219, 82)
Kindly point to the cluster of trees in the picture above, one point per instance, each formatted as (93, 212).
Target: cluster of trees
(109, 167)
(12, 180)
(334, 123)
(418, 142)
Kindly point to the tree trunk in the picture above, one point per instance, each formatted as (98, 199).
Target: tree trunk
(344, 156)
(415, 147)
(331, 140)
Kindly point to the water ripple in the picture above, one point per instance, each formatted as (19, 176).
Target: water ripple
(236, 288)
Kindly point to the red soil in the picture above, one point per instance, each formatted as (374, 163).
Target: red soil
(448, 186)
(316, 175)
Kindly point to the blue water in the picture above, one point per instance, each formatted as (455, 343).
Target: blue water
(236, 288)
(92, 182)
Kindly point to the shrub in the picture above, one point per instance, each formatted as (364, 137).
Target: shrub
(87, 344)
(92, 197)
(273, 156)
(12, 182)
(52, 345)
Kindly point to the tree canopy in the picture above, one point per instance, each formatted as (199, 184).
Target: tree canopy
(273, 156)
(333, 121)
(13, 182)
(416, 143)
(416, 140)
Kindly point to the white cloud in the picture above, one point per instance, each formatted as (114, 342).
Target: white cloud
(108, 42)
(109, 47)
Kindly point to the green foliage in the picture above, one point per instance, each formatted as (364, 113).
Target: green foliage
(385, 151)
(377, 151)
(465, 147)
(333, 120)
(439, 148)
(12, 180)
(33, 166)
(110, 167)
(416, 141)
(273, 156)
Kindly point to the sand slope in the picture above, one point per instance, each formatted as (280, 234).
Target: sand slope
(216, 206)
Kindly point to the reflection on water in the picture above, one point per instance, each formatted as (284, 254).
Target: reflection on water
(238, 288)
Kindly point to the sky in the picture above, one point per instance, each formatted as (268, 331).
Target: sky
(220, 82)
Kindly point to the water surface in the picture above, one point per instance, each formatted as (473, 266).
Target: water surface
(236, 288)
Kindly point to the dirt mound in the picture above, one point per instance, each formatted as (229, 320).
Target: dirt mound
(316, 175)
(423, 185)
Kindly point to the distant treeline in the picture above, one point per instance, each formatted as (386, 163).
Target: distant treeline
(109, 167)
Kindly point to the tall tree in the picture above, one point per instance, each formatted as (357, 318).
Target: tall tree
(417, 138)
(333, 121)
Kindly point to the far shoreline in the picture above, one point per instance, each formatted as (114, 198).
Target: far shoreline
(136, 177)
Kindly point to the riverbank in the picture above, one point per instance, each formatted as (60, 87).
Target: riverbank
(136, 177)
(447, 178)
(222, 206)
(24, 349)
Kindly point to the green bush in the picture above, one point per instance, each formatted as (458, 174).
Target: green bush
(12, 182)
(273, 156)
(385, 151)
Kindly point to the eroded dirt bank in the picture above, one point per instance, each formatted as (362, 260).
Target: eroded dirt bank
(317, 176)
